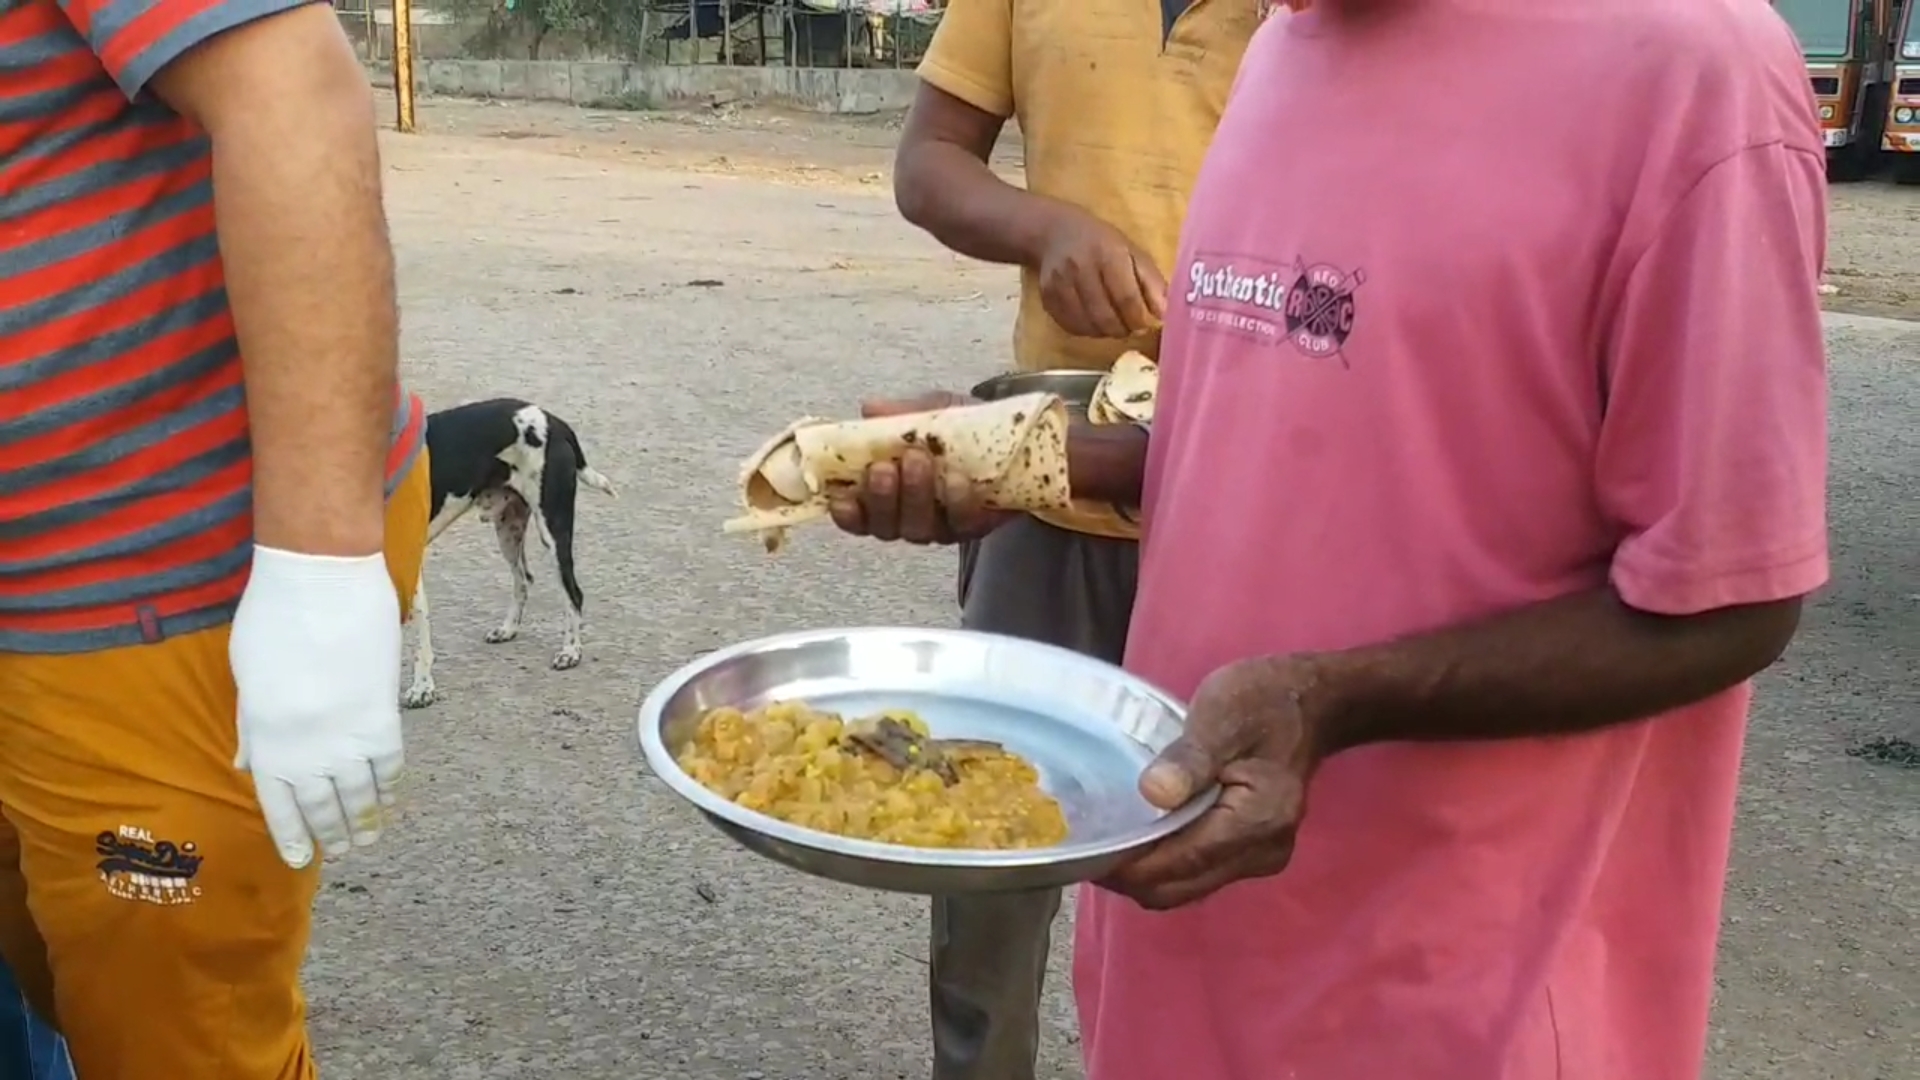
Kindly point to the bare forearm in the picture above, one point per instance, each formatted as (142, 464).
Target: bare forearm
(1565, 666)
(310, 278)
(1107, 462)
(962, 203)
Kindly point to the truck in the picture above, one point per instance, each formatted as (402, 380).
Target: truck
(1849, 46)
(1900, 136)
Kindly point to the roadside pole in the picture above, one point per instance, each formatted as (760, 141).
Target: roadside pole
(403, 64)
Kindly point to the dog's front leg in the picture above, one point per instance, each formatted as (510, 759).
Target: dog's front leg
(421, 693)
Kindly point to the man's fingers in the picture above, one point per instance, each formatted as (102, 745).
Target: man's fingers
(1282, 792)
(1178, 892)
(1214, 837)
(1120, 279)
(932, 399)
(1181, 771)
(285, 824)
(1097, 294)
(1062, 302)
(880, 501)
(921, 517)
(1086, 300)
(1153, 287)
(326, 818)
(966, 517)
(847, 513)
(887, 407)
(1239, 837)
(1220, 729)
(910, 500)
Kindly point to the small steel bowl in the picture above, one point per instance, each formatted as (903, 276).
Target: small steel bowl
(1074, 386)
(1088, 727)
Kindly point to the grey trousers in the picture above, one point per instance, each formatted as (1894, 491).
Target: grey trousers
(988, 952)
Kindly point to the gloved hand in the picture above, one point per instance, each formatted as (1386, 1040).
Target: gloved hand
(316, 657)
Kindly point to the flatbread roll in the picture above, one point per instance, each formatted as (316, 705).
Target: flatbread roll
(1126, 393)
(1013, 452)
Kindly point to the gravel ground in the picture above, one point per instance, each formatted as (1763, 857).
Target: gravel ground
(677, 287)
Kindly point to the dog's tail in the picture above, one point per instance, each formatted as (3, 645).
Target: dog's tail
(598, 481)
(589, 475)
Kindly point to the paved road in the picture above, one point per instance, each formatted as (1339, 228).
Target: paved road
(546, 910)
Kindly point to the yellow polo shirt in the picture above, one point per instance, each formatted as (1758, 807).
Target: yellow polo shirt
(1116, 103)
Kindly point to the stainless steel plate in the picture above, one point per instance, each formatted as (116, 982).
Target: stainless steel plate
(1074, 386)
(1087, 726)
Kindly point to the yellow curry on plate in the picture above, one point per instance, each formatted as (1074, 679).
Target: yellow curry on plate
(878, 778)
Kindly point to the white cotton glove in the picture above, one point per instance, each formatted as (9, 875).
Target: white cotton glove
(316, 657)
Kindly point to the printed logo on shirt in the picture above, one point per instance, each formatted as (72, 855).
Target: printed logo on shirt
(1309, 306)
(135, 866)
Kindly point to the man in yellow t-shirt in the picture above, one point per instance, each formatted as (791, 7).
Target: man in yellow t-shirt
(1116, 101)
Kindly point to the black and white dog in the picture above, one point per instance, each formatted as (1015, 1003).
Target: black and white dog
(521, 466)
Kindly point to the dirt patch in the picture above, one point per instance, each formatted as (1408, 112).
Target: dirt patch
(1873, 250)
(1898, 752)
(767, 142)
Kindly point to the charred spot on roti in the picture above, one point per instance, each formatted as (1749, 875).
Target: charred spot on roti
(1139, 397)
(936, 445)
(1019, 418)
(910, 437)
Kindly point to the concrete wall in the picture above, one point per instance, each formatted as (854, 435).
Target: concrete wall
(835, 90)
(440, 37)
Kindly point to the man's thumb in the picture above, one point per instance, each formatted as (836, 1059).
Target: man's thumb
(901, 406)
(1182, 771)
(1153, 286)
(885, 407)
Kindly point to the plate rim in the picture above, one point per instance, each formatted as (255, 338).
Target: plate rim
(661, 763)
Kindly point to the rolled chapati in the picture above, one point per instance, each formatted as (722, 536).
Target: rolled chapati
(1126, 393)
(1013, 453)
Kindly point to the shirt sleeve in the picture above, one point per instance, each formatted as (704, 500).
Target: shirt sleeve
(971, 55)
(1713, 445)
(134, 39)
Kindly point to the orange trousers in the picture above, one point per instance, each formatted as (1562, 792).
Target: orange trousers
(142, 904)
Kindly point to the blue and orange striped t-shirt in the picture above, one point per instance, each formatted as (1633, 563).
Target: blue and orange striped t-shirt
(125, 473)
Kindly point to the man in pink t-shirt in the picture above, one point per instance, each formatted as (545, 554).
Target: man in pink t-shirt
(1488, 467)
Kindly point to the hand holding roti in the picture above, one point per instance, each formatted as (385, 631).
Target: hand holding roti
(932, 473)
(941, 467)
(913, 499)
(1095, 282)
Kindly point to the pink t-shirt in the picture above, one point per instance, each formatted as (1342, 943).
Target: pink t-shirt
(1480, 303)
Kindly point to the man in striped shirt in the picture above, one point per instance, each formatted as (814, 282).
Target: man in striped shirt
(212, 507)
